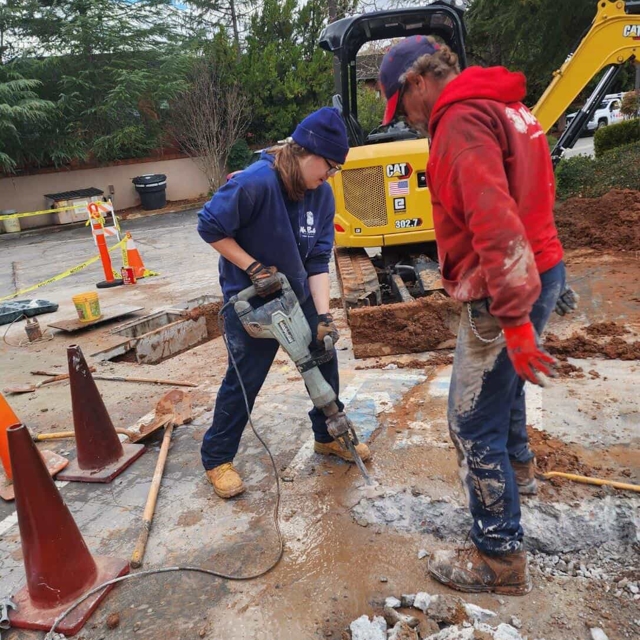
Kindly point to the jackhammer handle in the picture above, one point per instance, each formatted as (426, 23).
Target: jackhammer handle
(250, 292)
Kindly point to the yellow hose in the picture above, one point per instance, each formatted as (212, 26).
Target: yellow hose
(597, 481)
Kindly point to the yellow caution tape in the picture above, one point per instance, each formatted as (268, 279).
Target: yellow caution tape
(9, 216)
(64, 274)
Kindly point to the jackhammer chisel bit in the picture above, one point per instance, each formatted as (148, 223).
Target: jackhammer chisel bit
(341, 429)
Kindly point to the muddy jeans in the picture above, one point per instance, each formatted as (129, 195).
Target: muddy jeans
(254, 357)
(487, 420)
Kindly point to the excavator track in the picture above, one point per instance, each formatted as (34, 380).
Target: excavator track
(358, 278)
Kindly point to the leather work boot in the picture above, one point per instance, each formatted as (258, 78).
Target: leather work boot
(472, 571)
(335, 449)
(226, 480)
(525, 477)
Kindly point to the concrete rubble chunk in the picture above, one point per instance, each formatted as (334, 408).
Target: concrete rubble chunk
(402, 631)
(453, 633)
(365, 629)
(478, 614)
(516, 622)
(506, 632)
(447, 609)
(407, 599)
(392, 602)
(423, 553)
(598, 634)
(392, 618)
(422, 601)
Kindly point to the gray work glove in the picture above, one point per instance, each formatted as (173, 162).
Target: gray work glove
(567, 302)
(326, 327)
(264, 279)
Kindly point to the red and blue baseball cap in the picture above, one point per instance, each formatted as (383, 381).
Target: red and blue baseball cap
(396, 62)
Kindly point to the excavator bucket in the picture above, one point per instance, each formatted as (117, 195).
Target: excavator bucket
(395, 311)
(426, 324)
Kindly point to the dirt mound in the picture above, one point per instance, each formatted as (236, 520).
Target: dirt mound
(554, 455)
(598, 329)
(580, 346)
(408, 327)
(210, 312)
(609, 222)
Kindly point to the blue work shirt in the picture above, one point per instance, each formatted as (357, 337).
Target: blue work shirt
(254, 209)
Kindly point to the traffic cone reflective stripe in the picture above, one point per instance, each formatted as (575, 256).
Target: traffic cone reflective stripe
(58, 565)
(100, 454)
(53, 462)
(134, 259)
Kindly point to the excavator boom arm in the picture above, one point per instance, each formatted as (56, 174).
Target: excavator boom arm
(613, 39)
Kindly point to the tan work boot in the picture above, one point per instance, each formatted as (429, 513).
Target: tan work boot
(525, 477)
(472, 571)
(335, 449)
(226, 480)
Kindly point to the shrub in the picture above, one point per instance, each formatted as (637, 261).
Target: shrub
(370, 108)
(240, 156)
(616, 135)
(593, 177)
(630, 104)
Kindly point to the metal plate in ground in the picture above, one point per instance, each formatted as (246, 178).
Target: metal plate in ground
(109, 313)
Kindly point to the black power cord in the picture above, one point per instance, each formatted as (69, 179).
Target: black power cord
(52, 635)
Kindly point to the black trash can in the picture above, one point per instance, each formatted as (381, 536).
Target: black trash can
(152, 189)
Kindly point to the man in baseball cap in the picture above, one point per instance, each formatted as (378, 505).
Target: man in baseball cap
(492, 188)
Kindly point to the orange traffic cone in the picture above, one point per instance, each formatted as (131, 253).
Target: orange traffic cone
(100, 454)
(58, 565)
(134, 259)
(53, 461)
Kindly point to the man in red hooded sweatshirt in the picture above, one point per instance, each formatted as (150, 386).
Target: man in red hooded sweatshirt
(492, 188)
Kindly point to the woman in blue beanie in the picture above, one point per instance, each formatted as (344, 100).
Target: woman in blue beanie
(277, 215)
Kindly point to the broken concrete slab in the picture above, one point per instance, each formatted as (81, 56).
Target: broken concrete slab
(365, 629)
(478, 614)
(422, 601)
(550, 527)
(447, 609)
(393, 617)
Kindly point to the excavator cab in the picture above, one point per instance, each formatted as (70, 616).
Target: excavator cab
(345, 38)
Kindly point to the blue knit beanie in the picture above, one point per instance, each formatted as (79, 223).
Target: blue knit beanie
(324, 134)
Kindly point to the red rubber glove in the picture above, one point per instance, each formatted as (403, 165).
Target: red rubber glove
(529, 360)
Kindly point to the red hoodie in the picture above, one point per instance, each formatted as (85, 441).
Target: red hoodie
(492, 188)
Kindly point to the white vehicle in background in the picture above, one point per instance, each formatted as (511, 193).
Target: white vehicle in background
(608, 112)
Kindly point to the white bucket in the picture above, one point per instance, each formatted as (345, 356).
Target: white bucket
(12, 225)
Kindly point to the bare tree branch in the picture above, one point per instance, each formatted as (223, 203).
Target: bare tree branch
(209, 118)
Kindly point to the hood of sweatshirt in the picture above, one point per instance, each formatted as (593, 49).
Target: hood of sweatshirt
(480, 83)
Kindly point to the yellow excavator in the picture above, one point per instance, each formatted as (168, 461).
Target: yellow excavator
(385, 240)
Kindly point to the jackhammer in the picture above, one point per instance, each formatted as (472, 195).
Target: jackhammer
(282, 319)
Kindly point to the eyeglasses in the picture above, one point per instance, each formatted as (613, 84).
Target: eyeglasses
(333, 168)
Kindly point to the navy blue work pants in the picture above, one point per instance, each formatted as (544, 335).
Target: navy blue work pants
(254, 357)
(487, 419)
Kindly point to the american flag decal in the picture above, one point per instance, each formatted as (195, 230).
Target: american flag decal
(399, 188)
